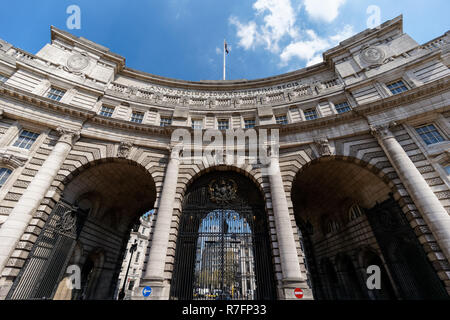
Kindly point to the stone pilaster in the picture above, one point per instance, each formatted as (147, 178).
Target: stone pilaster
(154, 273)
(14, 227)
(424, 198)
(290, 264)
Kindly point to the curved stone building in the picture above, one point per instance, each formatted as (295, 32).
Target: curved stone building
(359, 181)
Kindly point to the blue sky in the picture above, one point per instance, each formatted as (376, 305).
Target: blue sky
(183, 38)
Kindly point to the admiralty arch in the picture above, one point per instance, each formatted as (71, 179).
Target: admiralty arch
(361, 176)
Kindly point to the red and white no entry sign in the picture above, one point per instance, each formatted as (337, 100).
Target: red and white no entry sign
(298, 293)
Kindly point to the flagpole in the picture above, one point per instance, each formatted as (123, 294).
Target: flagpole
(224, 60)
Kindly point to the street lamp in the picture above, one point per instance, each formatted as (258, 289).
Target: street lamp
(132, 250)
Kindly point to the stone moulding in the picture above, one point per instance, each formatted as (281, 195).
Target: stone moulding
(12, 160)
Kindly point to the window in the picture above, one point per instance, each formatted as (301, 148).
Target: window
(310, 114)
(107, 111)
(342, 107)
(131, 285)
(4, 175)
(430, 134)
(165, 121)
(137, 117)
(397, 87)
(332, 226)
(3, 79)
(55, 94)
(137, 257)
(282, 119)
(197, 124)
(25, 139)
(447, 168)
(354, 212)
(223, 124)
(249, 123)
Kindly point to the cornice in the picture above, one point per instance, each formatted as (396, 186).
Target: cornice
(408, 97)
(43, 102)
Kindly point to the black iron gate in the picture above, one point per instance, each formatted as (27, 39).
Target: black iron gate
(411, 270)
(223, 250)
(50, 254)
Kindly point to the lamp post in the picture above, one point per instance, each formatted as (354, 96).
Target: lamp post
(132, 250)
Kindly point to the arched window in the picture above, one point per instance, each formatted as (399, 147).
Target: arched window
(332, 225)
(4, 175)
(355, 212)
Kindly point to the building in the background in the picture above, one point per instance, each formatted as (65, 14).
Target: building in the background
(140, 235)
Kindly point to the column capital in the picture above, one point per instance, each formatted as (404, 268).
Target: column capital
(68, 136)
(382, 131)
(175, 150)
(12, 160)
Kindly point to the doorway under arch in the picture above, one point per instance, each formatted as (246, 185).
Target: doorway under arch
(341, 207)
(99, 205)
(223, 246)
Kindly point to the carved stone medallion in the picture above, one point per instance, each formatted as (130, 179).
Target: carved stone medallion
(124, 149)
(373, 55)
(222, 190)
(78, 62)
(323, 146)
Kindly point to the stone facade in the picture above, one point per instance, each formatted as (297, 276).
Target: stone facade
(348, 130)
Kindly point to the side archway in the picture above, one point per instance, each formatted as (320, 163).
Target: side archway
(348, 204)
(98, 205)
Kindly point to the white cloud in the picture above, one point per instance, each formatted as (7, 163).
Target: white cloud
(326, 10)
(279, 21)
(310, 50)
(246, 32)
(275, 27)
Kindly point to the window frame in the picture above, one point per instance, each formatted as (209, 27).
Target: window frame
(223, 120)
(103, 112)
(9, 171)
(134, 117)
(347, 107)
(252, 124)
(436, 127)
(392, 83)
(19, 136)
(3, 78)
(314, 110)
(194, 127)
(165, 121)
(281, 119)
(49, 93)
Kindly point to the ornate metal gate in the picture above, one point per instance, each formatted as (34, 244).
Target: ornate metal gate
(223, 249)
(50, 254)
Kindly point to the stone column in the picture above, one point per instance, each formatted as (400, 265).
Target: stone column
(14, 227)
(430, 207)
(154, 272)
(290, 265)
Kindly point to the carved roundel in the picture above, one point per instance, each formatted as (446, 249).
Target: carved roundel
(78, 61)
(373, 55)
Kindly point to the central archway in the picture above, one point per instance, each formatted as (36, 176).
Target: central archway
(223, 245)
